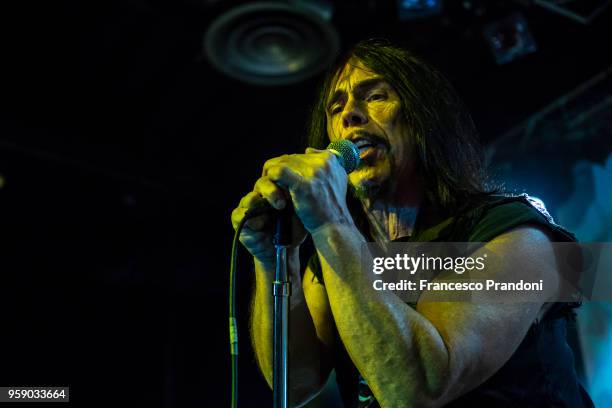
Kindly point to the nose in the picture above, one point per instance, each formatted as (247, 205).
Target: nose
(353, 116)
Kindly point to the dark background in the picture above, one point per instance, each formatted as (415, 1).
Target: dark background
(123, 152)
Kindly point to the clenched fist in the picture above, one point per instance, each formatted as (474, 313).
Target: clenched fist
(314, 182)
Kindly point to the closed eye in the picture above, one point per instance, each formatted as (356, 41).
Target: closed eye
(376, 97)
(335, 109)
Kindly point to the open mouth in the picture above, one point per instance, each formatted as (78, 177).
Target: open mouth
(363, 144)
(366, 147)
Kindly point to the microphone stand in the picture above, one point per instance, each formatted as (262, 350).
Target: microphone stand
(348, 155)
(282, 293)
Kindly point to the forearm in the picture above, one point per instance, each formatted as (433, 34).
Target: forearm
(398, 351)
(304, 359)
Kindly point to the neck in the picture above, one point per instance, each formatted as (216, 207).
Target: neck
(394, 216)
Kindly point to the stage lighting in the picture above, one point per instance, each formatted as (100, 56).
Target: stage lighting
(509, 38)
(411, 9)
(271, 43)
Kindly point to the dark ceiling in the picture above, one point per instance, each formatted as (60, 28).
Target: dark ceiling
(123, 86)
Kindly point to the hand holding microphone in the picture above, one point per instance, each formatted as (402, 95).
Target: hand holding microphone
(314, 182)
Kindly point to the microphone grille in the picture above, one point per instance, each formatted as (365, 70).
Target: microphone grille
(347, 153)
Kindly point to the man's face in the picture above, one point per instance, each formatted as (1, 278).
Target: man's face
(365, 109)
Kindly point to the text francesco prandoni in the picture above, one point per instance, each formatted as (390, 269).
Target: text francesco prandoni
(458, 265)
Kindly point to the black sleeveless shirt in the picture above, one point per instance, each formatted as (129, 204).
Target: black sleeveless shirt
(541, 371)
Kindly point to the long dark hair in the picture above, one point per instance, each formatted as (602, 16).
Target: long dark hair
(449, 156)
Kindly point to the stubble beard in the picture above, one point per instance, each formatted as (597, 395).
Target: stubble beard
(373, 191)
(369, 191)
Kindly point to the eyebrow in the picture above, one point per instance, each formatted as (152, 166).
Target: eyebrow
(360, 87)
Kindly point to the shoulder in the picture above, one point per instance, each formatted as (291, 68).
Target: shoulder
(499, 214)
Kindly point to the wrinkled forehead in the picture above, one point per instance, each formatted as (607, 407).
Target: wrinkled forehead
(354, 71)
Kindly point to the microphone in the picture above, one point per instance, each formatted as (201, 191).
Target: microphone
(348, 156)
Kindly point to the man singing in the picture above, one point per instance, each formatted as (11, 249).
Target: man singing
(421, 178)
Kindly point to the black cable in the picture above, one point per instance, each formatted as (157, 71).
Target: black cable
(233, 326)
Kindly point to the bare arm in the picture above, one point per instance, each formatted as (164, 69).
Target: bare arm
(310, 331)
(309, 339)
(426, 356)
(439, 351)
